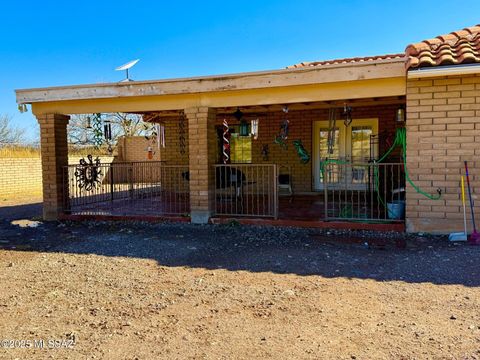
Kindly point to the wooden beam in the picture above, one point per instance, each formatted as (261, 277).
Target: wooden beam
(370, 70)
(340, 91)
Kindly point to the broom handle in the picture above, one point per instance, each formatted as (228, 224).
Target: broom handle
(464, 210)
(470, 197)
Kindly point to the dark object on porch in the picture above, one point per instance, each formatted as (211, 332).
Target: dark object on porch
(225, 177)
(285, 181)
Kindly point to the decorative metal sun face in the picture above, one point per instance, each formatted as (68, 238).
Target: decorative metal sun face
(88, 173)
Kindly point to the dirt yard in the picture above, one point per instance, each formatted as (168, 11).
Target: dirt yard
(177, 291)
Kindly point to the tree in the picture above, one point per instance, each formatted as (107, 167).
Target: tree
(10, 134)
(81, 128)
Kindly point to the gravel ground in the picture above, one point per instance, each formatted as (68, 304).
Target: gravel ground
(181, 291)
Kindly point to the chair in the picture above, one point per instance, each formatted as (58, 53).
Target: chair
(285, 181)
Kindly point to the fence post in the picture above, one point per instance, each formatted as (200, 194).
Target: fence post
(275, 191)
(325, 188)
(66, 190)
(111, 182)
(130, 181)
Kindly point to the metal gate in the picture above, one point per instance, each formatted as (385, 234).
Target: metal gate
(246, 190)
(148, 188)
(364, 191)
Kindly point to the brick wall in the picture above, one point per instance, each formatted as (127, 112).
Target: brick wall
(21, 177)
(301, 127)
(443, 130)
(134, 148)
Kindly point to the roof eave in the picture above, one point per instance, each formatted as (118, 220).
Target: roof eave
(380, 69)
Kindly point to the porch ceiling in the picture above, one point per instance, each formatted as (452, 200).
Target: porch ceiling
(260, 109)
(311, 84)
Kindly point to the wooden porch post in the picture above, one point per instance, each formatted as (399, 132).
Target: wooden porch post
(202, 138)
(54, 151)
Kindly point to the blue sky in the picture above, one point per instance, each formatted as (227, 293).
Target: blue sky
(49, 43)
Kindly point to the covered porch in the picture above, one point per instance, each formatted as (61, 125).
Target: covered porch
(267, 175)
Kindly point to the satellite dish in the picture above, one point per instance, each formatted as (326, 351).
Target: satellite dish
(126, 67)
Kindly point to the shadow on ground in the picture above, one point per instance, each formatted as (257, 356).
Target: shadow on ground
(21, 211)
(365, 255)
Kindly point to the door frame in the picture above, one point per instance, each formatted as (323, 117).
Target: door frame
(344, 141)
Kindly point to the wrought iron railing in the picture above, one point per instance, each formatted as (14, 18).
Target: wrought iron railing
(246, 190)
(132, 188)
(364, 191)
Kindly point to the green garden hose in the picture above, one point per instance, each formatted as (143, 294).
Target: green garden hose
(401, 141)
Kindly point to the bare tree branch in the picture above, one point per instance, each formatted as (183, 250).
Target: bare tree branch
(122, 125)
(10, 134)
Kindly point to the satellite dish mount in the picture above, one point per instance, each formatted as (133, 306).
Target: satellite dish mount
(126, 67)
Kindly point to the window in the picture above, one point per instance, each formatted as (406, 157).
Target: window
(240, 146)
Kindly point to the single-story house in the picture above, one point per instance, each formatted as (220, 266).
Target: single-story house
(344, 142)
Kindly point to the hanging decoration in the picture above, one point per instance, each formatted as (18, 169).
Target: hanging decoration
(96, 125)
(265, 152)
(254, 129)
(107, 130)
(332, 126)
(243, 123)
(226, 142)
(152, 134)
(400, 115)
(160, 135)
(283, 135)
(302, 153)
(347, 114)
(181, 134)
(88, 173)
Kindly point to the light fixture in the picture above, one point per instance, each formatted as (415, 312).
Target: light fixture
(244, 128)
(243, 124)
(400, 114)
(254, 129)
(347, 113)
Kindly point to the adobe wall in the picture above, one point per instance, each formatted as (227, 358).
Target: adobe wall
(443, 131)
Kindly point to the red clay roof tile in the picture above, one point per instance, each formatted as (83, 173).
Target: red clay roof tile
(347, 60)
(458, 47)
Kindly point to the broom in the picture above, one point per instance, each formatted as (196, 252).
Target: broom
(461, 236)
(474, 236)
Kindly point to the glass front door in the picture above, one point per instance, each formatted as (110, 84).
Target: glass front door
(351, 146)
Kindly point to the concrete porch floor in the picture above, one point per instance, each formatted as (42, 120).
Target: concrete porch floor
(298, 211)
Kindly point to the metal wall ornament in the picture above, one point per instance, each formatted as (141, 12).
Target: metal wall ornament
(181, 135)
(301, 151)
(282, 137)
(88, 173)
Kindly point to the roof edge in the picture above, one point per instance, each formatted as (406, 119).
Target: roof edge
(219, 77)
